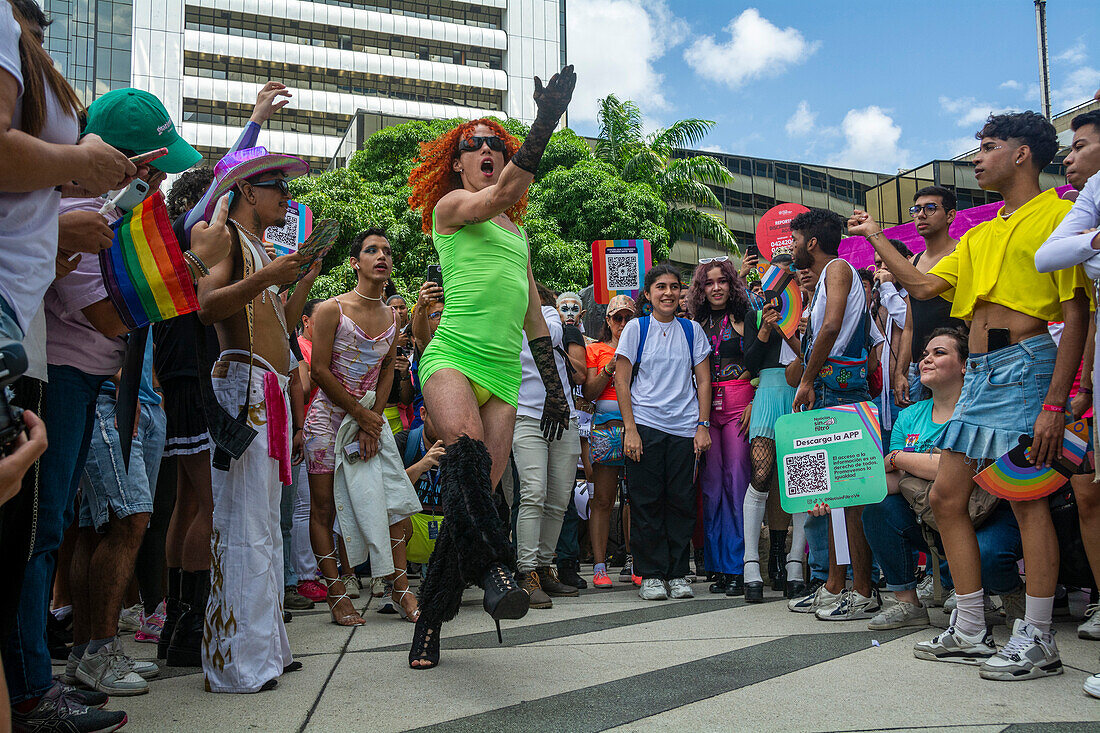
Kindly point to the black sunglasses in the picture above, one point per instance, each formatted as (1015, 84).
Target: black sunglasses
(620, 318)
(475, 143)
(277, 183)
(929, 209)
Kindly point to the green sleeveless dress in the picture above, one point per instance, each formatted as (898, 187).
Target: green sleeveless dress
(486, 290)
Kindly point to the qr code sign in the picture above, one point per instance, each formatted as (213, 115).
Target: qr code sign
(807, 473)
(622, 272)
(286, 235)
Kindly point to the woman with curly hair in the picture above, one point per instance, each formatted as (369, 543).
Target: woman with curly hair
(716, 300)
(471, 187)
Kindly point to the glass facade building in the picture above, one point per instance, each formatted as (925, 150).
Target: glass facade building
(206, 59)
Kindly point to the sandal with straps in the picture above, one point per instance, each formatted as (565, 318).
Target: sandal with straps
(348, 619)
(397, 596)
(425, 647)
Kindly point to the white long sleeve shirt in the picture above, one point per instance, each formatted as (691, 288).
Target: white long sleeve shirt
(1066, 246)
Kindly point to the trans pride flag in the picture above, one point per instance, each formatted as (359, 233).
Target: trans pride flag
(144, 270)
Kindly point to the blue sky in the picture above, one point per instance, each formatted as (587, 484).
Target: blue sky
(873, 85)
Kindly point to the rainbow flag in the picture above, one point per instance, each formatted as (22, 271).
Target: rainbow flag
(144, 270)
(1013, 477)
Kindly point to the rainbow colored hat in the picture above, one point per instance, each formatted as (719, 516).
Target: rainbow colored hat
(244, 164)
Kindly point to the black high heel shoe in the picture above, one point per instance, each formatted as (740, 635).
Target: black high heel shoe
(425, 646)
(754, 590)
(504, 598)
(721, 583)
(736, 585)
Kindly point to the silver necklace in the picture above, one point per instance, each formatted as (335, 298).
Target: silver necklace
(245, 229)
(665, 331)
(366, 297)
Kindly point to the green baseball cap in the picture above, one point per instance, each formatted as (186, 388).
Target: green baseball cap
(136, 120)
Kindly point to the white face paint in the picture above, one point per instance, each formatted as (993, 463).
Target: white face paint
(570, 311)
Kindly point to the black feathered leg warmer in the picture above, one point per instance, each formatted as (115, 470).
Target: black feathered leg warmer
(472, 537)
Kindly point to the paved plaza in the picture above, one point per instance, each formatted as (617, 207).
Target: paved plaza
(610, 661)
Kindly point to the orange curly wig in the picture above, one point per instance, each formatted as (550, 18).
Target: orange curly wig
(434, 177)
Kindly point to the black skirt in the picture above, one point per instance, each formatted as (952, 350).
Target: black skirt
(186, 424)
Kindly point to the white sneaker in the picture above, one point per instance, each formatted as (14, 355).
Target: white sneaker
(925, 590)
(1027, 655)
(351, 585)
(69, 675)
(852, 607)
(1092, 685)
(954, 646)
(1090, 629)
(653, 589)
(900, 615)
(109, 670)
(129, 619)
(680, 588)
(820, 598)
(950, 602)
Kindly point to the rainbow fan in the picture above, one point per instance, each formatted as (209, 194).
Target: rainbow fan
(1013, 477)
(789, 299)
(144, 270)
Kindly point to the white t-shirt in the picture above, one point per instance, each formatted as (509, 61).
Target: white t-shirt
(532, 392)
(28, 221)
(663, 395)
(854, 309)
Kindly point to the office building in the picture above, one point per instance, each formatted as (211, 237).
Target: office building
(206, 59)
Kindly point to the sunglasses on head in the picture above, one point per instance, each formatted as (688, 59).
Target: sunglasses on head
(474, 143)
(928, 209)
(277, 183)
(708, 260)
(622, 317)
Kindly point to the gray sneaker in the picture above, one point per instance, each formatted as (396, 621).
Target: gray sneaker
(1090, 629)
(820, 598)
(653, 589)
(58, 711)
(129, 619)
(1027, 655)
(69, 675)
(680, 588)
(109, 670)
(852, 607)
(952, 646)
(898, 616)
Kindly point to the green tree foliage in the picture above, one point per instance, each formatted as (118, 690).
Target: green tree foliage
(683, 184)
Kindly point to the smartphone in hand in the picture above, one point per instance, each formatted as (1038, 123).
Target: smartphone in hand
(435, 275)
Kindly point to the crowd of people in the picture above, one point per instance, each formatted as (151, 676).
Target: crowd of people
(287, 451)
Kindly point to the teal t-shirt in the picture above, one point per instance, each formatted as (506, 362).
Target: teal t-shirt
(914, 431)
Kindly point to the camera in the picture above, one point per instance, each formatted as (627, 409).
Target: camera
(13, 362)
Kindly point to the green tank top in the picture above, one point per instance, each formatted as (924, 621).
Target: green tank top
(486, 290)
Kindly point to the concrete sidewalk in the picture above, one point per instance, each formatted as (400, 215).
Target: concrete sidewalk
(610, 661)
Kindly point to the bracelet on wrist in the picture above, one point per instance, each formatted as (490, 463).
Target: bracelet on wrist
(195, 260)
(1053, 408)
(893, 459)
(1086, 390)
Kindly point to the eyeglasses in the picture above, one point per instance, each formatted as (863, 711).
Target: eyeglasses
(622, 317)
(928, 209)
(475, 143)
(708, 260)
(277, 183)
(435, 316)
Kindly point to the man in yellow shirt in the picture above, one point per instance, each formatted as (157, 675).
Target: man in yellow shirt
(1017, 382)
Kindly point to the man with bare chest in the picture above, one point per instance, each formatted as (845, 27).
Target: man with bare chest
(245, 647)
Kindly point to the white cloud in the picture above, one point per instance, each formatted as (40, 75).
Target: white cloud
(969, 112)
(1011, 84)
(1076, 87)
(614, 44)
(755, 48)
(802, 121)
(871, 141)
(960, 145)
(1075, 54)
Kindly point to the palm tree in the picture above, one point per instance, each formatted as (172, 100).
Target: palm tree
(682, 183)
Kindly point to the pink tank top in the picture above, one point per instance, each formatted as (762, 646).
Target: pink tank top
(357, 357)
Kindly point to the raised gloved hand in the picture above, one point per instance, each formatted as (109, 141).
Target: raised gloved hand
(551, 101)
(555, 410)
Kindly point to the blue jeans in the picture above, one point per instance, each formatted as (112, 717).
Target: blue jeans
(825, 397)
(286, 523)
(110, 489)
(895, 538)
(9, 327)
(70, 413)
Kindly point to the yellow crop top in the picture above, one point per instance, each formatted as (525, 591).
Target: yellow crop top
(995, 262)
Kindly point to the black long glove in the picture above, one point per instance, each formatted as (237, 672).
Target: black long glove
(555, 411)
(551, 101)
